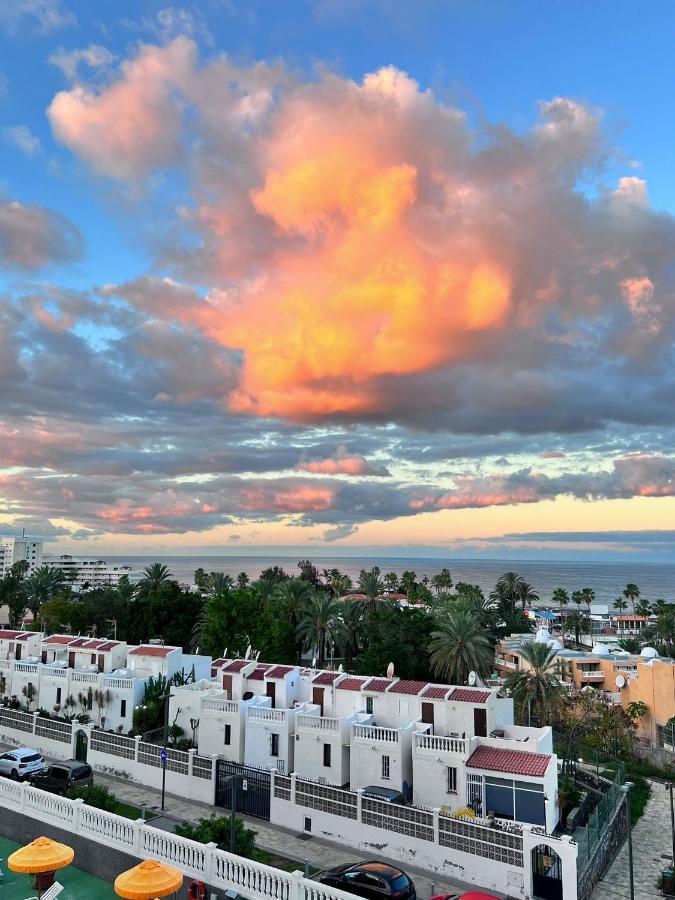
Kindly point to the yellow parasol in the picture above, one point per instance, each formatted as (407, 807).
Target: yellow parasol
(41, 855)
(148, 880)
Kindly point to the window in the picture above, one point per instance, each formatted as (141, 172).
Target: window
(228, 736)
(369, 705)
(326, 755)
(385, 767)
(403, 707)
(123, 708)
(274, 751)
(452, 780)
(58, 696)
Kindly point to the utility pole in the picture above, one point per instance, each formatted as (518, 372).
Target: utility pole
(163, 756)
(671, 787)
(626, 788)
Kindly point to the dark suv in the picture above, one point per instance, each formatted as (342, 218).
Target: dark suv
(374, 880)
(63, 776)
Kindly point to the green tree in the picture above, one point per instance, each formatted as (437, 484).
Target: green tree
(460, 643)
(508, 591)
(390, 581)
(41, 586)
(619, 604)
(631, 592)
(200, 579)
(219, 583)
(217, 830)
(399, 635)
(154, 577)
(320, 623)
(578, 598)
(579, 624)
(588, 595)
(536, 689)
(13, 595)
(409, 584)
(630, 645)
(353, 619)
(371, 585)
(643, 608)
(442, 581)
(309, 573)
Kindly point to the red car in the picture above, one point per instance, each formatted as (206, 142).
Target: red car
(470, 895)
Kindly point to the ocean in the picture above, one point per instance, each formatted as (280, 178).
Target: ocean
(608, 579)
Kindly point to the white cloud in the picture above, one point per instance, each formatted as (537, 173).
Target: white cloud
(22, 137)
(44, 16)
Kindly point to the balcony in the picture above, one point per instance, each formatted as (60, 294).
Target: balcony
(220, 705)
(434, 743)
(120, 684)
(376, 733)
(318, 723)
(264, 714)
(26, 668)
(54, 672)
(85, 677)
(505, 663)
(592, 676)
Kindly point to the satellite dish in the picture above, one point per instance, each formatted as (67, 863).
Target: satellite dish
(257, 656)
(314, 662)
(340, 669)
(225, 653)
(247, 655)
(620, 681)
(390, 670)
(472, 678)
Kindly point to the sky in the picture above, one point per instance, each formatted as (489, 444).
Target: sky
(338, 274)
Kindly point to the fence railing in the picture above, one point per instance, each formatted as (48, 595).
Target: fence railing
(375, 733)
(439, 744)
(54, 730)
(590, 835)
(318, 723)
(223, 871)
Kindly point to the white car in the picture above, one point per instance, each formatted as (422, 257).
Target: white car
(21, 763)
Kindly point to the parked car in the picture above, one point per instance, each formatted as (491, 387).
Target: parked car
(62, 776)
(21, 763)
(374, 880)
(469, 895)
(387, 795)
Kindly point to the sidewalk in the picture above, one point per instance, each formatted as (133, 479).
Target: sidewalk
(318, 853)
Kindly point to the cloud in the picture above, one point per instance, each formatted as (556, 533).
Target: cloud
(94, 56)
(22, 137)
(42, 16)
(32, 236)
(343, 463)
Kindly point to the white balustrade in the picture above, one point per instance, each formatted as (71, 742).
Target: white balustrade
(263, 714)
(212, 704)
(106, 827)
(85, 677)
(5, 665)
(26, 668)
(54, 672)
(318, 723)
(439, 744)
(42, 804)
(376, 733)
(185, 854)
(122, 684)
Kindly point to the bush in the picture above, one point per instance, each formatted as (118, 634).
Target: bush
(217, 830)
(95, 795)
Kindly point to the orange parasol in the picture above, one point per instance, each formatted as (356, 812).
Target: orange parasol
(148, 880)
(41, 855)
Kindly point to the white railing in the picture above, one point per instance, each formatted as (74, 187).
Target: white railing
(5, 665)
(375, 733)
(263, 714)
(318, 723)
(26, 668)
(85, 677)
(591, 676)
(507, 664)
(223, 871)
(215, 705)
(54, 672)
(123, 684)
(439, 744)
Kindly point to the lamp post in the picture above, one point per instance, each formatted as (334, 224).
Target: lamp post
(626, 788)
(165, 698)
(671, 787)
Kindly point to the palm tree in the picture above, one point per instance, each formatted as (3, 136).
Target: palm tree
(370, 584)
(588, 595)
(391, 582)
(154, 576)
(41, 586)
(619, 604)
(292, 594)
(125, 589)
(319, 623)
(643, 608)
(219, 583)
(508, 590)
(578, 598)
(536, 689)
(442, 581)
(243, 580)
(528, 595)
(408, 583)
(578, 622)
(352, 615)
(338, 583)
(561, 598)
(460, 644)
(631, 592)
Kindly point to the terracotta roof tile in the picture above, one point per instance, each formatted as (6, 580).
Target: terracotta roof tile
(408, 687)
(237, 665)
(326, 678)
(435, 693)
(468, 695)
(58, 639)
(151, 650)
(258, 674)
(351, 684)
(512, 762)
(379, 685)
(78, 642)
(217, 662)
(108, 646)
(279, 672)
(94, 645)
(8, 635)
(24, 635)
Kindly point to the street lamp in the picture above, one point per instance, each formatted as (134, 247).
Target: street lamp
(165, 699)
(626, 788)
(671, 787)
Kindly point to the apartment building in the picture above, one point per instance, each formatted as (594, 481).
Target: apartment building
(15, 549)
(82, 573)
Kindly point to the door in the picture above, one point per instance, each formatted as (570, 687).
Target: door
(101, 660)
(428, 713)
(19, 648)
(317, 697)
(272, 691)
(71, 659)
(43, 657)
(227, 685)
(81, 746)
(546, 873)
(480, 722)
(252, 790)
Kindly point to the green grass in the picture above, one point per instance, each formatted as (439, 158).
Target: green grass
(640, 794)
(280, 862)
(133, 812)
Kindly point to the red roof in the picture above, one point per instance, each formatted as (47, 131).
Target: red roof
(351, 684)
(217, 662)
(151, 650)
(94, 645)
(78, 642)
(513, 762)
(24, 635)
(258, 673)
(435, 693)
(10, 635)
(408, 687)
(468, 695)
(108, 646)
(237, 665)
(378, 684)
(58, 639)
(326, 677)
(279, 672)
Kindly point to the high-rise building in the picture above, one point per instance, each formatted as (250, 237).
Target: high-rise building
(80, 572)
(14, 549)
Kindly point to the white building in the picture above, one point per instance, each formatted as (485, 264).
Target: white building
(80, 572)
(15, 549)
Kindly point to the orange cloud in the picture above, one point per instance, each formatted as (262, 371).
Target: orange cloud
(342, 464)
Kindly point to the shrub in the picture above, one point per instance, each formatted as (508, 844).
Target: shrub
(217, 830)
(95, 795)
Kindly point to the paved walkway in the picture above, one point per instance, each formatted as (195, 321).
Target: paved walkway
(652, 844)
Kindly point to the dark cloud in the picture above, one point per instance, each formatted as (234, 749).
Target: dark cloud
(32, 236)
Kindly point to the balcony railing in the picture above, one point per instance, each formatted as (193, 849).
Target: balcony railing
(318, 723)
(438, 744)
(592, 676)
(26, 668)
(121, 684)
(48, 672)
(212, 704)
(505, 663)
(261, 714)
(376, 733)
(85, 677)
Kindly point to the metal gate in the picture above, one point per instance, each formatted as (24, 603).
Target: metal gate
(81, 745)
(546, 873)
(251, 788)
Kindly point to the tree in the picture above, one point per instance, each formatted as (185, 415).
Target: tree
(200, 579)
(619, 604)
(536, 690)
(219, 583)
(631, 592)
(442, 581)
(218, 831)
(579, 623)
(309, 572)
(561, 598)
(370, 584)
(409, 583)
(41, 586)
(630, 645)
(154, 576)
(643, 608)
(399, 635)
(460, 644)
(319, 623)
(352, 615)
(528, 595)
(390, 581)
(578, 598)
(274, 573)
(243, 580)
(13, 595)
(508, 590)
(588, 595)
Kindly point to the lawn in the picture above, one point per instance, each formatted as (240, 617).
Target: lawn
(280, 862)
(133, 812)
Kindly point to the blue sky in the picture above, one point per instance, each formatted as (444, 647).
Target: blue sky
(153, 398)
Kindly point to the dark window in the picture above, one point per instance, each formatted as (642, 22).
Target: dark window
(530, 807)
(58, 695)
(326, 755)
(123, 708)
(385, 767)
(228, 735)
(452, 780)
(274, 744)
(400, 883)
(499, 800)
(369, 705)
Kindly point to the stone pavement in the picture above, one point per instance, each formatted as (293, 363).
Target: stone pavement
(318, 853)
(652, 844)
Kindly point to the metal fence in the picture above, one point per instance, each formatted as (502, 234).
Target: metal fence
(593, 833)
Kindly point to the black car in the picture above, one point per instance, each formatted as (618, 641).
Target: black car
(61, 777)
(374, 880)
